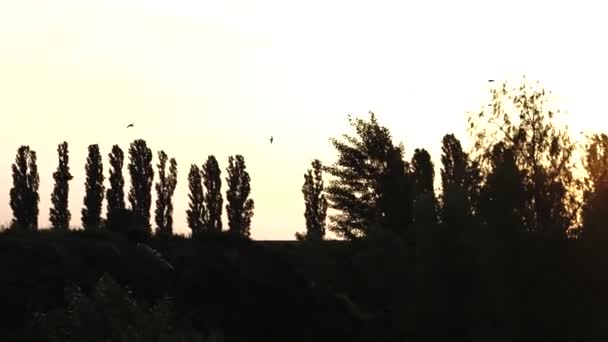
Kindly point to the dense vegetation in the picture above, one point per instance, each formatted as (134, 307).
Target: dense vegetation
(509, 248)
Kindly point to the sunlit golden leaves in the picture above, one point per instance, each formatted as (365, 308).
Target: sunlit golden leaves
(522, 118)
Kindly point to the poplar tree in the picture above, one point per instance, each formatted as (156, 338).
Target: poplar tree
(60, 213)
(142, 177)
(240, 206)
(116, 193)
(315, 203)
(165, 187)
(94, 190)
(24, 197)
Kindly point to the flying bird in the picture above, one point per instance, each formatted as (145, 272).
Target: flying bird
(129, 125)
(271, 139)
(490, 81)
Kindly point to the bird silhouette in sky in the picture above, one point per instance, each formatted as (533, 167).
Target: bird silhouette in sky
(271, 139)
(129, 125)
(490, 81)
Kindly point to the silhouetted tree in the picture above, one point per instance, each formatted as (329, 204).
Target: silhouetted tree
(116, 194)
(521, 120)
(372, 187)
(142, 176)
(165, 187)
(213, 197)
(60, 213)
(196, 213)
(93, 199)
(503, 195)
(595, 207)
(24, 193)
(315, 203)
(239, 207)
(460, 183)
(422, 171)
(423, 178)
(427, 234)
(395, 201)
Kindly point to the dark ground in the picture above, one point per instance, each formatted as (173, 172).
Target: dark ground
(277, 291)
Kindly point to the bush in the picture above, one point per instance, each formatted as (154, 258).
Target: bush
(110, 313)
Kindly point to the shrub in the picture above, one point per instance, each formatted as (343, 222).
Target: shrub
(109, 313)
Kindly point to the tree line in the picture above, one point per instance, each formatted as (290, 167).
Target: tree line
(205, 197)
(518, 178)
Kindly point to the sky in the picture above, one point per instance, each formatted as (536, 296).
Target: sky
(203, 77)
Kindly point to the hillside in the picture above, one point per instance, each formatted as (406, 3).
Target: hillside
(233, 285)
(376, 290)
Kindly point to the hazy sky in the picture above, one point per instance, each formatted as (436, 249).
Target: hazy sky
(200, 77)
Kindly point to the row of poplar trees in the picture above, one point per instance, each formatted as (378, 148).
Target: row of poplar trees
(518, 177)
(205, 207)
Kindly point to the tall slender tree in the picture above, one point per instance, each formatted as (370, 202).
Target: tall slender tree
(423, 172)
(460, 184)
(240, 206)
(196, 213)
(93, 199)
(423, 178)
(165, 187)
(371, 186)
(24, 193)
(60, 213)
(142, 177)
(395, 200)
(315, 204)
(116, 194)
(213, 197)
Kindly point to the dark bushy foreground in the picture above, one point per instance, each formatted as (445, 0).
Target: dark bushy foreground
(222, 284)
(484, 288)
(109, 313)
(234, 289)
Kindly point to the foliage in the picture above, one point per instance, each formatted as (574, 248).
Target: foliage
(221, 281)
(395, 201)
(165, 187)
(142, 176)
(93, 199)
(253, 293)
(503, 196)
(522, 120)
(425, 212)
(370, 182)
(423, 172)
(24, 193)
(213, 196)
(115, 194)
(315, 202)
(595, 209)
(110, 313)
(423, 179)
(240, 206)
(517, 179)
(196, 213)
(460, 183)
(60, 213)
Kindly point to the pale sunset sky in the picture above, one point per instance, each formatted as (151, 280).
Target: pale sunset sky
(204, 77)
